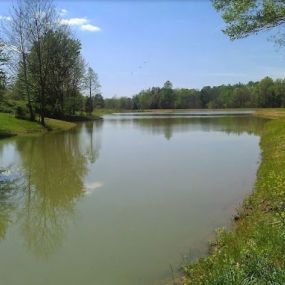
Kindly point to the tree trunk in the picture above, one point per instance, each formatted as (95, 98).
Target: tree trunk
(32, 115)
(42, 89)
(90, 95)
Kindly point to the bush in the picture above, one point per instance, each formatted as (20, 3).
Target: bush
(21, 113)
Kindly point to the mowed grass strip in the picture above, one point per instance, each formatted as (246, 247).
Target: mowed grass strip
(9, 125)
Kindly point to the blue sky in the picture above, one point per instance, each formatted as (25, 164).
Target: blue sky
(134, 45)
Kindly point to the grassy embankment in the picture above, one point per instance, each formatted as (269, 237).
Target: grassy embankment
(100, 112)
(271, 113)
(253, 252)
(10, 126)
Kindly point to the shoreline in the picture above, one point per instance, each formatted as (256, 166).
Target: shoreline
(10, 126)
(251, 251)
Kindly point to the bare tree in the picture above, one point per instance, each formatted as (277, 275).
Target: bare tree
(3, 62)
(17, 40)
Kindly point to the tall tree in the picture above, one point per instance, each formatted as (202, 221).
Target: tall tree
(3, 62)
(245, 17)
(205, 96)
(18, 41)
(93, 86)
(40, 19)
(63, 71)
(167, 98)
(98, 101)
(266, 93)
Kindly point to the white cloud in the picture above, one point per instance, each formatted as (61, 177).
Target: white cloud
(90, 28)
(74, 21)
(5, 18)
(63, 12)
(82, 23)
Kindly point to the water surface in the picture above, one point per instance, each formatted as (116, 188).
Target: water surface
(116, 202)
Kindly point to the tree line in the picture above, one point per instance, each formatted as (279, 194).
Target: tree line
(242, 18)
(262, 94)
(45, 65)
(41, 64)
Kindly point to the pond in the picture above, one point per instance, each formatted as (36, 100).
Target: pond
(122, 200)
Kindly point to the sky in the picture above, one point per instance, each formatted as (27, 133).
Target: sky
(134, 45)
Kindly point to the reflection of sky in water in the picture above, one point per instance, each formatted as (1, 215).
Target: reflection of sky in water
(90, 187)
(8, 153)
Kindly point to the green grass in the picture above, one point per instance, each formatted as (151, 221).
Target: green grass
(254, 251)
(53, 124)
(9, 125)
(271, 113)
(101, 112)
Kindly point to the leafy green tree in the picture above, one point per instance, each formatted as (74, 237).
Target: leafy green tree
(93, 86)
(39, 21)
(62, 70)
(245, 17)
(168, 85)
(112, 103)
(266, 94)
(155, 97)
(187, 98)
(205, 96)
(136, 102)
(241, 97)
(144, 99)
(98, 101)
(167, 97)
(279, 89)
(49, 68)
(225, 96)
(125, 103)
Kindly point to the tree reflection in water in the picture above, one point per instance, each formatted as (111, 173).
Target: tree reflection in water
(168, 126)
(8, 185)
(43, 202)
(93, 130)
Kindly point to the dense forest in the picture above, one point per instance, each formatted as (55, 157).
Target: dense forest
(262, 94)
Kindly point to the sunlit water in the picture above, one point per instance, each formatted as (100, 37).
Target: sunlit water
(119, 201)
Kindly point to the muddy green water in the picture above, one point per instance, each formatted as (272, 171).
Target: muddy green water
(116, 202)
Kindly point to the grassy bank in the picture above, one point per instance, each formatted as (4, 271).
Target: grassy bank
(271, 113)
(10, 126)
(254, 251)
(103, 111)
